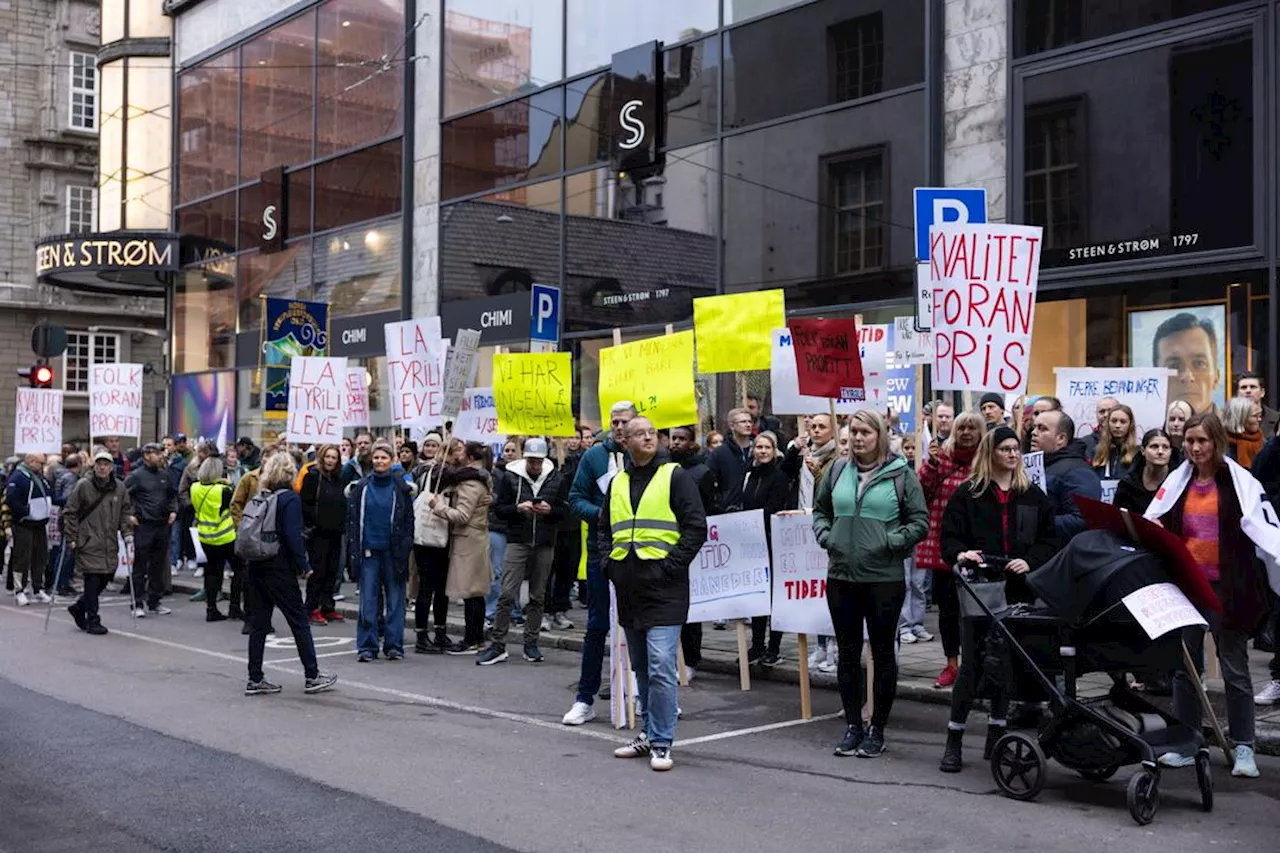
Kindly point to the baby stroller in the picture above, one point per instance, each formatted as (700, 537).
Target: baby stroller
(1038, 653)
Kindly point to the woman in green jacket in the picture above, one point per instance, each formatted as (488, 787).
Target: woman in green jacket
(868, 514)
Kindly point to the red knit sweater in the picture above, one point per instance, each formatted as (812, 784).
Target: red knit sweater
(940, 476)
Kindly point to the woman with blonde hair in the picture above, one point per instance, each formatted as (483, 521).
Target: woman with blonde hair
(211, 502)
(1000, 513)
(1118, 447)
(1242, 420)
(868, 514)
(1175, 421)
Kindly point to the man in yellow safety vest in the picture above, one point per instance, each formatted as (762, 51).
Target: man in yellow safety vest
(651, 527)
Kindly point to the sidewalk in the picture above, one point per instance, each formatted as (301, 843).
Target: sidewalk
(918, 663)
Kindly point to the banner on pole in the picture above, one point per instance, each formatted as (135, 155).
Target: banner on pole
(873, 347)
(984, 279)
(1143, 389)
(729, 579)
(656, 374)
(799, 577)
(115, 400)
(38, 422)
(733, 330)
(291, 328)
(785, 384)
(415, 371)
(317, 400)
(459, 370)
(828, 358)
(478, 418)
(356, 413)
(534, 393)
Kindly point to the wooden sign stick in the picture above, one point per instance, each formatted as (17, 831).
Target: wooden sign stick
(744, 669)
(806, 700)
(1194, 675)
(628, 689)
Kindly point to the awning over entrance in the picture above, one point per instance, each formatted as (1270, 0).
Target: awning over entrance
(124, 263)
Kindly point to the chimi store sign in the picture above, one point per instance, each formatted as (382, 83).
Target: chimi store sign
(101, 253)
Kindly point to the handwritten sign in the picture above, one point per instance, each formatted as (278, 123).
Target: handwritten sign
(656, 374)
(415, 371)
(534, 393)
(873, 348)
(317, 399)
(828, 358)
(1143, 389)
(115, 400)
(459, 370)
(478, 417)
(356, 413)
(38, 422)
(909, 346)
(53, 529)
(733, 330)
(984, 279)
(1034, 463)
(785, 383)
(1161, 608)
(729, 579)
(799, 577)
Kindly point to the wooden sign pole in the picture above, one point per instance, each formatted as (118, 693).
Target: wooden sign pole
(628, 689)
(806, 700)
(744, 669)
(682, 671)
(869, 708)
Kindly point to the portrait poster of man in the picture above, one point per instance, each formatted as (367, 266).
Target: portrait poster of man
(1191, 341)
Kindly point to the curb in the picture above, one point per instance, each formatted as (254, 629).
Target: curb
(1267, 736)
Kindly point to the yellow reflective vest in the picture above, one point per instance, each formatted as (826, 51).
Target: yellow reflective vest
(650, 530)
(213, 524)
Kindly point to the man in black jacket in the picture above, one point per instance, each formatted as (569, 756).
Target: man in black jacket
(1066, 470)
(155, 506)
(730, 461)
(531, 501)
(651, 527)
(686, 453)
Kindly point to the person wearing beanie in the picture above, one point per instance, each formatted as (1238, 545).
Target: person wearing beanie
(992, 409)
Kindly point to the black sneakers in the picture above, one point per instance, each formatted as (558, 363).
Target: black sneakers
(96, 628)
(261, 688)
(319, 684)
(77, 613)
(852, 740)
(531, 653)
(493, 654)
(952, 753)
(872, 745)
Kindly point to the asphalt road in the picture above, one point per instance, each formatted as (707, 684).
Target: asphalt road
(142, 740)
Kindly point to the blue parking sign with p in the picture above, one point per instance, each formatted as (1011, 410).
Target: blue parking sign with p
(943, 205)
(544, 309)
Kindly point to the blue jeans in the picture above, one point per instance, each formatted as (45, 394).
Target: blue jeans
(653, 658)
(597, 630)
(497, 553)
(378, 572)
(175, 544)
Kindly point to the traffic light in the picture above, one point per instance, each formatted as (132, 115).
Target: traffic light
(39, 375)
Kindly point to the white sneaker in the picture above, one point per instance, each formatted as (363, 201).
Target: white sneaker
(22, 599)
(1173, 759)
(43, 597)
(660, 758)
(580, 713)
(199, 572)
(816, 657)
(689, 673)
(140, 612)
(159, 610)
(339, 597)
(1246, 765)
(1269, 695)
(906, 637)
(637, 748)
(921, 634)
(562, 622)
(546, 623)
(174, 568)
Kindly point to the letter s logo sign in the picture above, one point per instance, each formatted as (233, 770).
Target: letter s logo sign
(269, 221)
(631, 124)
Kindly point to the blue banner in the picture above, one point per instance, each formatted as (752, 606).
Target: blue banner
(290, 328)
(900, 388)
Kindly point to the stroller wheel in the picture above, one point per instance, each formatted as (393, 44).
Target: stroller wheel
(1100, 775)
(1144, 796)
(1018, 766)
(1204, 777)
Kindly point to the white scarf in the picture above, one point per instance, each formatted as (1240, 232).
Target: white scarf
(1257, 517)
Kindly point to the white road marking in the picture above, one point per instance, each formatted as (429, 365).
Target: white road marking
(693, 741)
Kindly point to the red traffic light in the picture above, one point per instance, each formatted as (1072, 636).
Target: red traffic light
(41, 376)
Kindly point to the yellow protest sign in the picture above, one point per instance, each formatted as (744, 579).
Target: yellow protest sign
(735, 330)
(534, 393)
(655, 374)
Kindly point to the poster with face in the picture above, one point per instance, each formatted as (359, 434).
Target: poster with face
(1190, 341)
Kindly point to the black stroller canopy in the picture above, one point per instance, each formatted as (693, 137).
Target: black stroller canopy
(1092, 574)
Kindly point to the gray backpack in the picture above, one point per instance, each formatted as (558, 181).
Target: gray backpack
(256, 537)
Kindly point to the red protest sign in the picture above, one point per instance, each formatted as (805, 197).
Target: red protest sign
(828, 363)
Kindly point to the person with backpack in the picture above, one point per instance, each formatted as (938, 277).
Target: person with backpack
(269, 541)
(97, 514)
(29, 501)
(379, 534)
(324, 517)
(869, 512)
(211, 503)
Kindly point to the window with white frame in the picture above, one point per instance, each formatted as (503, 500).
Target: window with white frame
(84, 91)
(82, 209)
(85, 349)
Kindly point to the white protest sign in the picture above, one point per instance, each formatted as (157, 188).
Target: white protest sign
(115, 400)
(1109, 491)
(356, 413)
(38, 421)
(1161, 608)
(1143, 389)
(478, 417)
(124, 559)
(799, 577)
(984, 279)
(729, 579)
(873, 341)
(459, 370)
(53, 530)
(317, 399)
(909, 346)
(924, 300)
(785, 384)
(1034, 463)
(415, 371)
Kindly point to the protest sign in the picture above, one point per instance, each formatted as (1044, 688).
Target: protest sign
(873, 343)
(317, 400)
(729, 579)
(1034, 463)
(1143, 389)
(984, 279)
(459, 370)
(828, 360)
(785, 384)
(38, 422)
(53, 527)
(415, 371)
(799, 577)
(534, 393)
(733, 330)
(900, 378)
(909, 346)
(115, 400)
(1109, 491)
(356, 413)
(478, 417)
(1160, 608)
(656, 374)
